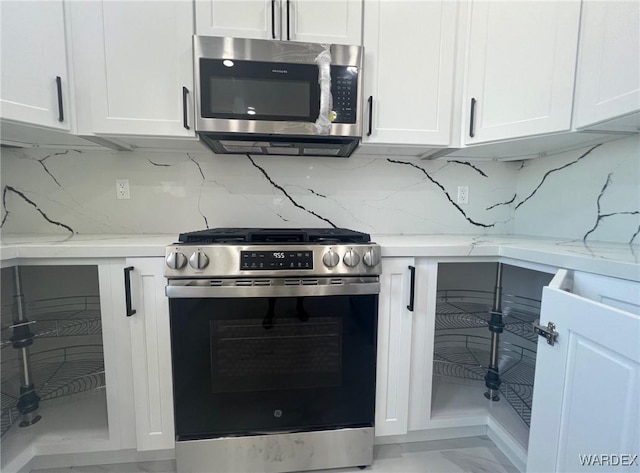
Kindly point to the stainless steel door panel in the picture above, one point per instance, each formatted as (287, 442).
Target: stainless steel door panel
(273, 51)
(203, 288)
(277, 453)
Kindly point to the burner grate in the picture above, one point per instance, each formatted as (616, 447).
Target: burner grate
(275, 236)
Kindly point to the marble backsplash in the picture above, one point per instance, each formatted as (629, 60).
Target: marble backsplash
(592, 192)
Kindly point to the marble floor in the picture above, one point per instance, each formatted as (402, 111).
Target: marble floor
(467, 455)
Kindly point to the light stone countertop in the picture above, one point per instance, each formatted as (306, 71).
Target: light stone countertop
(609, 259)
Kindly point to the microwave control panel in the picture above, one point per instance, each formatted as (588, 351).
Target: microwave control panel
(344, 89)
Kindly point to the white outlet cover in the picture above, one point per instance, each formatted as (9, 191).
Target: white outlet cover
(122, 189)
(463, 195)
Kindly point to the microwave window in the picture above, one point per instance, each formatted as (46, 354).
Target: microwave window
(250, 98)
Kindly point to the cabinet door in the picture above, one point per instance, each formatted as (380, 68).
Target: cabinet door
(587, 385)
(151, 355)
(258, 19)
(141, 60)
(521, 65)
(409, 49)
(608, 78)
(326, 21)
(33, 54)
(394, 347)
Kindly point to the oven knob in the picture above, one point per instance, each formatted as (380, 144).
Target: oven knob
(199, 260)
(176, 260)
(371, 258)
(330, 259)
(351, 258)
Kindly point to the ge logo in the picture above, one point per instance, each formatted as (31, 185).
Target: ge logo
(277, 413)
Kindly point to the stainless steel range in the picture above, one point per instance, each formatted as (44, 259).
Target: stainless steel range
(273, 336)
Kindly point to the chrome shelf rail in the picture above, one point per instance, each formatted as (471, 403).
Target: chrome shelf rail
(58, 317)
(459, 309)
(465, 357)
(57, 373)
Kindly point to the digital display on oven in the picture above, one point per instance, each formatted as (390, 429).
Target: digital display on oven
(275, 260)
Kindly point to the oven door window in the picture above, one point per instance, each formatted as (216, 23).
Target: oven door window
(256, 365)
(251, 90)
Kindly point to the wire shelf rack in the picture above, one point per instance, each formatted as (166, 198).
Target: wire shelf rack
(58, 317)
(467, 357)
(56, 373)
(459, 309)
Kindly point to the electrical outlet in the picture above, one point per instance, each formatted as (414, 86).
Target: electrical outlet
(122, 189)
(463, 195)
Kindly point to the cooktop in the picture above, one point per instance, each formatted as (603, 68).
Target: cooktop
(274, 236)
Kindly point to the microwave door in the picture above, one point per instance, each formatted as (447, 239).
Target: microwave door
(258, 91)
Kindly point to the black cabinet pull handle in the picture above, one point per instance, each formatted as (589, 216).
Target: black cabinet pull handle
(185, 121)
(60, 109)
(412, 288)
(288, 33)
(127, 290)
(472, 130)
(370, 102)
(273, 19)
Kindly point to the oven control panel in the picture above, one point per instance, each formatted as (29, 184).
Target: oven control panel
(275, 260)
(185, 261)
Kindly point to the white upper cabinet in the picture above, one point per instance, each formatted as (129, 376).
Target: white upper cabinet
(587, 385)
(521, 59)
(326, 21)
(256, 19)
(315, 21)
(608, 78)
(409, 62)
(140, 63)
(35, 84)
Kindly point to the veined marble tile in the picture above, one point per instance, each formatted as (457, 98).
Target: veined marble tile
(590, 193)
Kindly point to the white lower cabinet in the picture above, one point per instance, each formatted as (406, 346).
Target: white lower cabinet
(587, 392)
(79, 361)
(151, 355)
(577, 397)
(395, 322)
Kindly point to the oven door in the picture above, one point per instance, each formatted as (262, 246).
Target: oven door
(255, 360)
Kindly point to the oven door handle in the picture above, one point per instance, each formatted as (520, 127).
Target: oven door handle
(197, 292)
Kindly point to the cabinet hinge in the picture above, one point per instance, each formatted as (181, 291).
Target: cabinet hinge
(548, 332)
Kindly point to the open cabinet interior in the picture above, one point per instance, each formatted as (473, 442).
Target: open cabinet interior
(467, 295)
(53, 376)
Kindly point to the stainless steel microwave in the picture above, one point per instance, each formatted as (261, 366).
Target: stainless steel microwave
(264, 97)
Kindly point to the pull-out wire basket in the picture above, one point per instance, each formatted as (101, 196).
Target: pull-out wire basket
(467, 357)
(58, 317)
(56, 373)
(459, 309)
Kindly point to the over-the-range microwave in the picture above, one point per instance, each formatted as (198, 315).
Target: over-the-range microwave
(265, 97)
